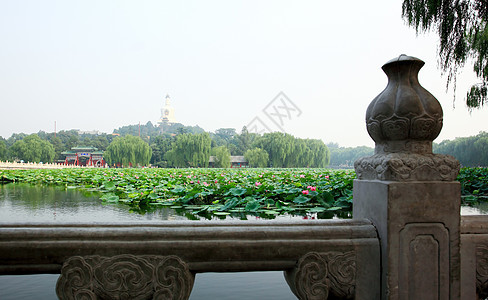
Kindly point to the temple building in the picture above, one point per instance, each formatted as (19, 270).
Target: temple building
(84, 156)
(167, 113)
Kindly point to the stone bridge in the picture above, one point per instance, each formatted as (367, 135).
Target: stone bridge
(407, 239)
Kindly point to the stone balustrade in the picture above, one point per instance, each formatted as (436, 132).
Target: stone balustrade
(474, 257)
(339, 258)
(29, 165)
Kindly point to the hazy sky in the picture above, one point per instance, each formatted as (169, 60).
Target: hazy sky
(99, 65)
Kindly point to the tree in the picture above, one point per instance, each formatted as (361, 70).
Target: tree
(345, 157)
(222, 157)
(160, 145)
(32, 149)
(189, 150)
(257, 157)
(3, 149)
(244, 141)
(58, 147)
(470, 151)
(128, 150)
(463, 33)
(278, 146)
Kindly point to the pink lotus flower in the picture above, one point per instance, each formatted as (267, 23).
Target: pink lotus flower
(305, 192)
(327, 177)
(302, 176)
(312, 188)
(258, 183)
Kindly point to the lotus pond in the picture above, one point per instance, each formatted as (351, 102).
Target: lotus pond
(208, 193)
(211, 193)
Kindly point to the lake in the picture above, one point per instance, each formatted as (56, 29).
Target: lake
(25, 203)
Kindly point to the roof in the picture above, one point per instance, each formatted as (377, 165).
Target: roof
(81, 148)
(233, 159)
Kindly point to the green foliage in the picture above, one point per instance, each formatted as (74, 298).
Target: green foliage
(150, 130)
(189, 150)
(128, 150)
(463, 34)
(345, 157)
(217, 192)
(257, 158)
(286, 151)
(32, 149)
(3, 149)
(222, 157)
(160, 145)
(470, 151)
(208, 191)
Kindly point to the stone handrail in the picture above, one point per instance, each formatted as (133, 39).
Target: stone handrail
(474, 257)
(159, 260)
(29, 165)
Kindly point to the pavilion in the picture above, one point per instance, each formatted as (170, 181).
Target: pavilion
(84, 156)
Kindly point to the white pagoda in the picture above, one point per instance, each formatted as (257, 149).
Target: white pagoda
(167, 113)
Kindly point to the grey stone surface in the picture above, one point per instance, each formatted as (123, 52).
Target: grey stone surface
(418, 226)
(474, 257)
(403, 120)
(125, 277)
(404, 110)
(201, 246)
(320, 275)
(408, 192)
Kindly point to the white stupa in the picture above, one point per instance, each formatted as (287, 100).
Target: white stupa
(167, 113)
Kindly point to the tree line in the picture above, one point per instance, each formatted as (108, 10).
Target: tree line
(172, 145)
(470, 151)
(177, 145)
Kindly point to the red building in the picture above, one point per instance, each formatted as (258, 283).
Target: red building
(84, 156)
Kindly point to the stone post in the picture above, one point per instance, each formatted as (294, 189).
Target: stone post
(409, 193)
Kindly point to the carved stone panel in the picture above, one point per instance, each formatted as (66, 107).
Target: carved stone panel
(407, 167)
(424, 249)
(125, 277)
(482, 271)
(323, 275)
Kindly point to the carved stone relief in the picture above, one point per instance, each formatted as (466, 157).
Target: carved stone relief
(125, 277)
(329, 275)
(403, 120)
(407, 167)
(482, 271)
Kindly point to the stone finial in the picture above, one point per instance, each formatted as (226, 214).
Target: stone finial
(403, 120)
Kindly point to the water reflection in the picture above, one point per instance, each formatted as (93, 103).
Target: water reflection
(208, 286)
(28, 203)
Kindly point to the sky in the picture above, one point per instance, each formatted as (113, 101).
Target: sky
(100, 65)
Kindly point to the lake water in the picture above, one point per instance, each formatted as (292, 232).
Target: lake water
(24, 203)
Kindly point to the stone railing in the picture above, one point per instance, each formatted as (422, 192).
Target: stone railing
(158, 261)
(29, 165)
(474, 257)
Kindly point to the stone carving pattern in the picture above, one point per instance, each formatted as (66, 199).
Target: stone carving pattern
(482, 271)
(407, 167)
(323, 275)
(125, 277)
